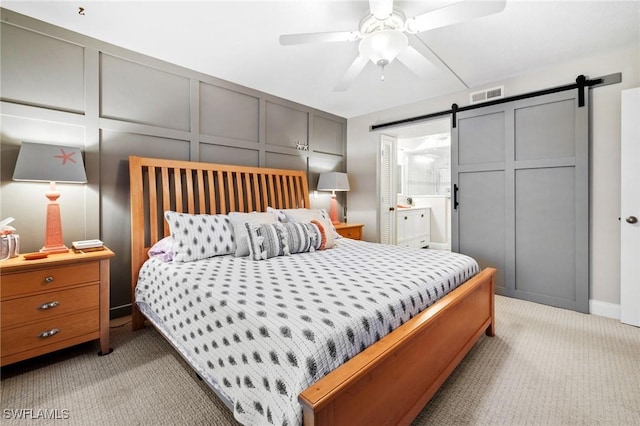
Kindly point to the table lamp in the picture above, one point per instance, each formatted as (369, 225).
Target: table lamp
(333, 181)
(50, 163)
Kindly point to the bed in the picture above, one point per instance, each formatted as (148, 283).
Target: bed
(386, 381)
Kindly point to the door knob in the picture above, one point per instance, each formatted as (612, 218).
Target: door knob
(632, 219)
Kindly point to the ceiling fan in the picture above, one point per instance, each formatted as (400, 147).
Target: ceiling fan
(383, 34)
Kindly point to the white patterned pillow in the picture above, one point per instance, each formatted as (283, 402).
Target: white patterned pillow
(199, 236)
(238, 220)
(280, 214)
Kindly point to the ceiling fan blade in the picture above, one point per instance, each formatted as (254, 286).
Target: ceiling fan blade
(457, 12)
(308, 38)
(381, 9)
(353, 71)
(434, 60)
(416, 62)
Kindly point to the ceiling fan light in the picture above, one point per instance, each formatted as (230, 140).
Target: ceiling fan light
(383, 46)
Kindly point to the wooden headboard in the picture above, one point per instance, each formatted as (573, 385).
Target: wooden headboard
(157, 185)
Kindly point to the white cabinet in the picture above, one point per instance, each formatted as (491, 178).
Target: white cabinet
(413, 227)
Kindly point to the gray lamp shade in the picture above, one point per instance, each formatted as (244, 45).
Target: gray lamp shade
(333, 181)
(49, 163)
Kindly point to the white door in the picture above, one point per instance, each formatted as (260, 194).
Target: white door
(630, 209)
(388, 192)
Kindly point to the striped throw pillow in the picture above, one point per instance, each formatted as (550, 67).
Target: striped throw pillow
(302, 237)
(282, 239)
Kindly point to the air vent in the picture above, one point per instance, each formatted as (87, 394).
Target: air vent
(487, 95)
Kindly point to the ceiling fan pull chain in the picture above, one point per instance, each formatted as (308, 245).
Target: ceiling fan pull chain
(382, 63)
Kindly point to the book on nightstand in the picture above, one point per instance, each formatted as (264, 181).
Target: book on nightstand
(88, 245)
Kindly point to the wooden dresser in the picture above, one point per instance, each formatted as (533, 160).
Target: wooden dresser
(52, 303)
(350, 230)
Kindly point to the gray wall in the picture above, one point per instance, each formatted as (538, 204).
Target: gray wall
(61, 87)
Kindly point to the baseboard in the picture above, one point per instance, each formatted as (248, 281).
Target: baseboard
(120, 311)
(604, 309)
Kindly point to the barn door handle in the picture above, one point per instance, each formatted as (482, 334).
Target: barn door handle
(455, 196)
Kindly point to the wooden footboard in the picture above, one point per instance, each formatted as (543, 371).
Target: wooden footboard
(391, 381)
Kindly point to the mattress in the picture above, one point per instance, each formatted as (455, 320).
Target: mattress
(260, 332)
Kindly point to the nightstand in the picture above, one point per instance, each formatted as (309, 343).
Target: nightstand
(53, 303)
(349, 230)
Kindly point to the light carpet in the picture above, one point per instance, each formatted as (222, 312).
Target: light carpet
(545, 366)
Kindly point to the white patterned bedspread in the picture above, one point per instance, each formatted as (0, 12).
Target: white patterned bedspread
(264, 331)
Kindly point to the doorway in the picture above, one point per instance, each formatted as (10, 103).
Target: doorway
(424, 180)
(416, 171)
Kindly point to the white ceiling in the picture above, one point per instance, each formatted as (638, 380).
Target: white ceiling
(238, 41)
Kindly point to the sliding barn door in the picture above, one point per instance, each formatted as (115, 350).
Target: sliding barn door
(521, 187)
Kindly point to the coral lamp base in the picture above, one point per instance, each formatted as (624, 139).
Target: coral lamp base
(333, 210)
(53, 242)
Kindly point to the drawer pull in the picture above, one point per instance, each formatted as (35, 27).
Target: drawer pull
(48, 279)
(48, 305)
(48, 333)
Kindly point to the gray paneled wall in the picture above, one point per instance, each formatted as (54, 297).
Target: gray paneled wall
(61, 87)
(142, 94)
